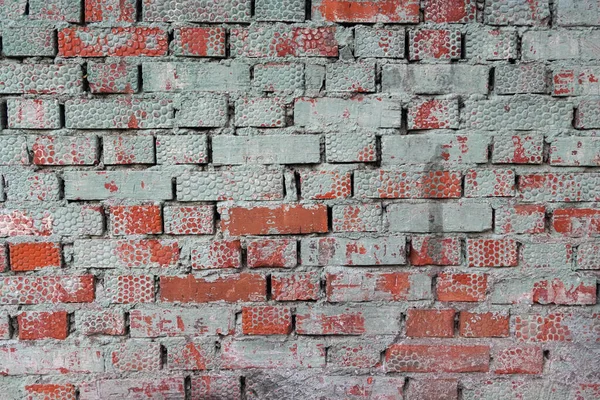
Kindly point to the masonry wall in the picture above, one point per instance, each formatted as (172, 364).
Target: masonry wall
(289, 199)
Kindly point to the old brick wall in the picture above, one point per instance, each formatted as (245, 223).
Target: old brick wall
(290, 199)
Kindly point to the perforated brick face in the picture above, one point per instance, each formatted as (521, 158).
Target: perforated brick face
(294, 199)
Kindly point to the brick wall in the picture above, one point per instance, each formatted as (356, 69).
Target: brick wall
(290, 199)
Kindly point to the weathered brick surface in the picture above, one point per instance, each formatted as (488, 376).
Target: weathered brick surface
(290, 199)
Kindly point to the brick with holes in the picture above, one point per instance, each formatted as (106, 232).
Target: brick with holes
(216, 254)
(430, 323)
(433, 114)
(438, 44)
(135, 219)
(121, 77)
(437, 358)
(492, 252)
(431, 250)
(266, 320)
(296, 286)
(357, 218)
(228, 288)
(36, 325)
(461, 287)
(189, 220)
(125, 289)
(346, 320)
(483, 324)
(31, 256)
(272, 253)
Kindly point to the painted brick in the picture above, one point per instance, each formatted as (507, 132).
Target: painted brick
(196, 354)
(194, 11)
(189, 220)
(51, 359)
(283, 41)
(402, 184)
(383, 42)
(230, 288)
(512, 388)
(110, 11)
(575, 151)
(374, 112)
(353, 354)
(444, 358)
(140, 387)
(47, 289)
(138, 185)
(518, 148)
(55, 10)
(574, 13)
(377, 286)
(522, 12)
(386, 11)
(521, 78)
(430, 323)
(489, 43)
(567, 187)
(520, 218)
(440, 149)
(492, 252)
(360, 252)
(288, 10)
(431, 250)
(461, 287)
(266, 149)
(480, 324)
(490, 183)
(68, 221)
(104, 322)
(560, 45)
(243, 354)
(575, 81)
(274, 77)
(112, 77)
(126, 253)
(23, 41)
(295, 286)
(451, 11)
(126, 289)
(326, 184)
(556, 327)
(350, 147)
(587, 256)
(194, 77)
(13, 9)
(341, 320)
(357, 218)
(53, 79)
(586, 116)
(277, 219)
(33, 114)
(442, 217)
(181, 149)
(436, 44)
(215, 386)
(518, 360)
(272, 253)
(216, 254)
(4, 257)
(135, 220)
(433, 114)
(266, 320)
(118, 113)
(260, 112)
(576, 222)
(566, 291)
(136, 356)
(128, 149)
(32, 186)
(31, 256)
(43, 325)
(103, 42)
(40, 391)
(65, 150)
(546, 256)
(198, 42)
(434, 79)
(432, 389)
(350, 77)
(164, 322)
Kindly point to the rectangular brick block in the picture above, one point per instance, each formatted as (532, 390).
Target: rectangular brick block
(522, 12)
(125, 253)
(181, 149)
(437, 358)
(198, 42)
(69, 221)
(560, 44)
(377, 286)
(566, 291)
(195, 77)
(128, 149)
(461, 287)
(163, 322)
(272, 253)
(274, 77)
(51, 359)
(450, 11)
(350, 77)
(576, 81)
(355, 354)
(575, 151)
(31, 256)
(439, 217)
(126, 289)
(357, 218)
(65, 150)
(30, 186)
(230, 288)
(551, 187)
(135, 219)
(587, 256)
(55, 10)
(382, 42)
(490, 183)
(13, 9)
(134, 185)
(435, 79)
(99, 389)
(278, 219)
(283, 41)
(518, 148)
(266, 149)
(33, 114)
(431, 250)
(196, 11)
(36, 325)
(114, 77)
(350, 147)
(243, 354)
(326, 184)
(189, 220)
(386, 11)
(438, 149)
(521, 78)
(267, 112)
(110, 11)
(433, 114)
(366, 112)
(118, 113)
(574, 13)
(434, 44)
(295, 286)
(216, 254)
(402, 184)
(547, 256)
(105, 322)
(342, 320)
(432, 388)
(208, 111)
(491, 43)
(586, 116)
(52, 79)
(135, 356)
(518, 360)
(556, 327)
(359, 252)
(49, 390)
(266, 320)
(520, 218)
(492, 252)
(28, 41)
(47, 289)
(207, 386)
(480, 324)
(191, 354)
(104, 42)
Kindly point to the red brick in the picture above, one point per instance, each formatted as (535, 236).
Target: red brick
(35, 325)
(191, 355)
(461, 287)
(432, 389)
(519, 360)
(50, 391)
(199, 42)
(361, 355)
(120, 42)
(110, 10)
(558, 327)
(440, 358)
(431, 250)
(576, 221)
(492, 252)
(272, 253)
(105, 322)
(489, 324)
(232, 288)
(217, 254)
(459, 11)
(266, 320)
(441, 44)
(136, 220)
(386, 11)
(430, 323)
(377, 286)
(141, 388)
(33, 256)
(433, 114)
(558, 291)
(47, 289)
(296, 286)
(147, 252)
(281, 219)
(125, 289)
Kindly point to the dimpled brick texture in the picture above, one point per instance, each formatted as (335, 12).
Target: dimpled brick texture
(293, 199)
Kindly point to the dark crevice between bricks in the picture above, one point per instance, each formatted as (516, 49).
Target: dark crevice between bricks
(187, 382)
(243, 393)
(127, 323)
(268, 286)
(163, 356)
(308, 10)
(252, 8)
(140, 78)
(405, 386)
(81, 13)
(138, 10)
(492, 80)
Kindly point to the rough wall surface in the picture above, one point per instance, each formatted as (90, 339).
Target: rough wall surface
(290, 199)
